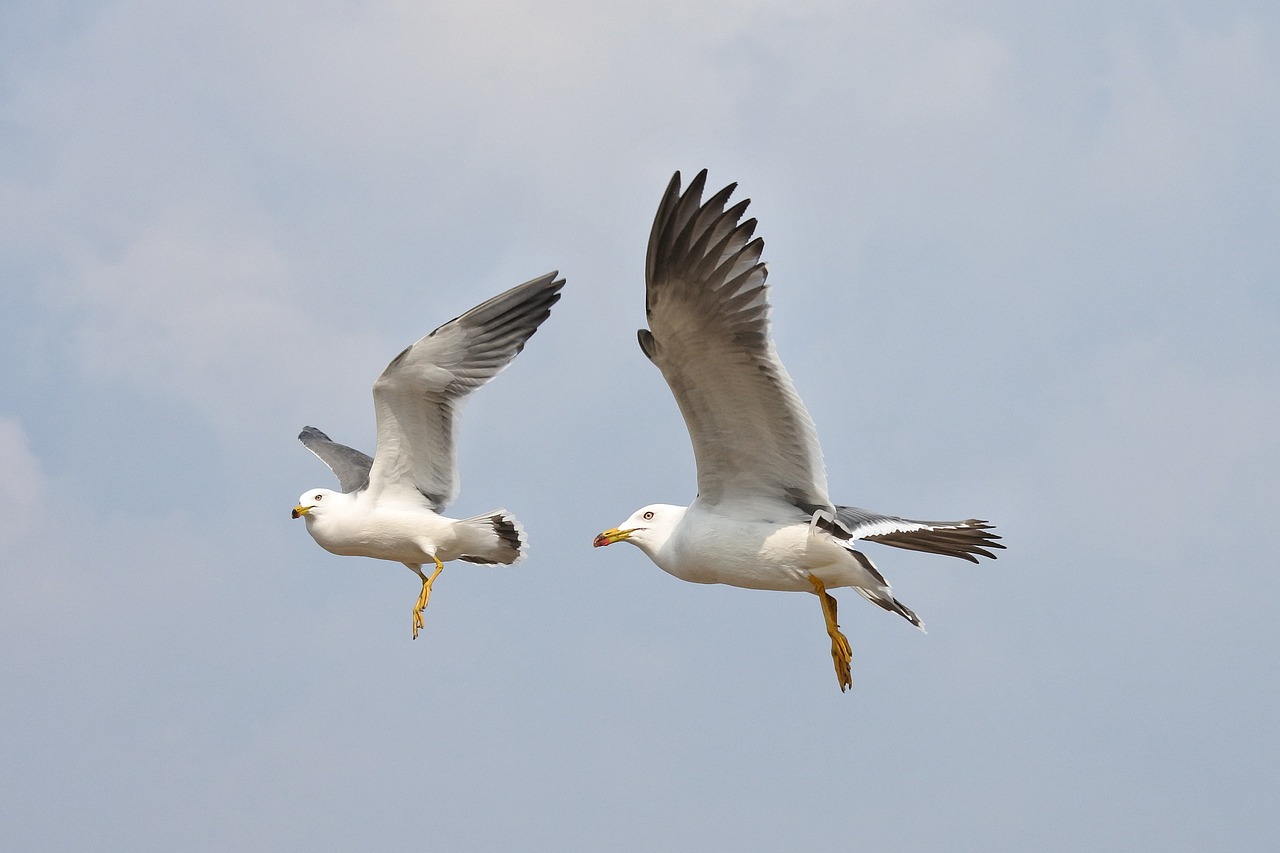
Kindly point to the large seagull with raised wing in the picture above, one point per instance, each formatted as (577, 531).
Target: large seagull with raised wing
(389, 505)
(762, 518)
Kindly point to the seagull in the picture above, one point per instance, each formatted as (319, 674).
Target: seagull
(762, 518)
(389, 505)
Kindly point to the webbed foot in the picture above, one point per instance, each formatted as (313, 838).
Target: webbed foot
(424, 596)
(841, 653)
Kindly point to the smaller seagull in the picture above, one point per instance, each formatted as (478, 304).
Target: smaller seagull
(762, 518)
(389, 507)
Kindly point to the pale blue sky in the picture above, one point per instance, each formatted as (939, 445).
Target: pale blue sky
(1025, 266)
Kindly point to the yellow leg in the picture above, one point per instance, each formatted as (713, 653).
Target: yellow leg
(841, 654)
(424, 595)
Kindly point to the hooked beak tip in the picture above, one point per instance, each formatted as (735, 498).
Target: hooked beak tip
(609, 537)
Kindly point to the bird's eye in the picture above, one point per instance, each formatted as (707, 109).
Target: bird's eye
(319, 498)
(648, 516)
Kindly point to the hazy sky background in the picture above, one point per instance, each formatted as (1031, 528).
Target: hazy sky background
(1025, 267)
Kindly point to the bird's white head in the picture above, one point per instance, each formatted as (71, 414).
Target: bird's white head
(312, 504)
(648, 528)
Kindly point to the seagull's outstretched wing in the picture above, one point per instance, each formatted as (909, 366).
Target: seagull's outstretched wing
(961, 539)
(349, 465)
(708, 311)
(417, 397)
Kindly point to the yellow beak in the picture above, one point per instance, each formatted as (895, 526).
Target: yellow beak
(611, 536)
(299, 511)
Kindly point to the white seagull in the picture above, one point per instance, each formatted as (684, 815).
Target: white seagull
(762, 518)
(389, 505)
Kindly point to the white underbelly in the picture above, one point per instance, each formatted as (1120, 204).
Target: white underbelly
(405, 538)
(755, 556)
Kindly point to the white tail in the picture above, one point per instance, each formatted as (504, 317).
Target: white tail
(495, 537)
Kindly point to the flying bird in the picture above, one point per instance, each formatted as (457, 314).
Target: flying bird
(762, 518)
(389, 505)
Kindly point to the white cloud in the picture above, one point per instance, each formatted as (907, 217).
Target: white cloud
(216, 321)
(23, 484)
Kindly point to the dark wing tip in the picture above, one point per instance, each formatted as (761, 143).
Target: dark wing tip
(696, 185)
(700, 239)
(551, 281)
(673, 186)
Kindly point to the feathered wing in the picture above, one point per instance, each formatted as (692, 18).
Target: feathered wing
(417, 397)
(349, 465)
(708, 311)
(963, 539)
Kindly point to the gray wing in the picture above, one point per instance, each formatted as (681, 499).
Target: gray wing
(349, 465)
(961, 539)
(416, 399)
(708, 311)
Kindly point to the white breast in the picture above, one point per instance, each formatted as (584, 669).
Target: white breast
(709, 547)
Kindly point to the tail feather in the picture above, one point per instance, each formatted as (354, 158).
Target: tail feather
(883, 596)
(494, 538)
(893, 605)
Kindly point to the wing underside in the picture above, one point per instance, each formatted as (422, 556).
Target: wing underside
(708, 311)
(417, 397)
(349, 465)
